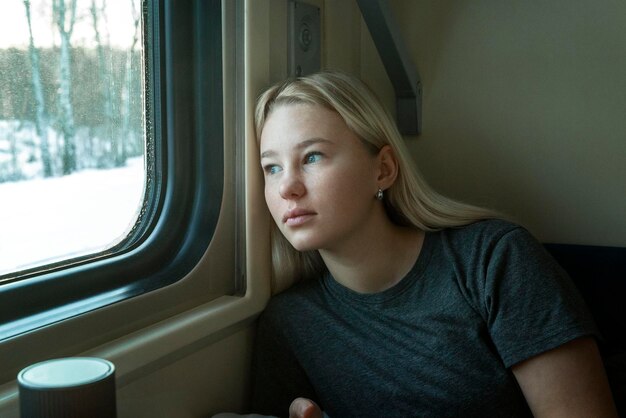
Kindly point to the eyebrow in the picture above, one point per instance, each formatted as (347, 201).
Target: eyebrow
(304, 144)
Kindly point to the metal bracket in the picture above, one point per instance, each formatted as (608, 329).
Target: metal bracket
(401, 71)
(304, 39)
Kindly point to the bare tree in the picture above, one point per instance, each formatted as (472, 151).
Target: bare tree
(41, 120)
(65, 16)
(105, 78)
(129, 75)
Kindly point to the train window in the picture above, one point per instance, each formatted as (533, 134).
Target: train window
(72, 137)
(124, 139)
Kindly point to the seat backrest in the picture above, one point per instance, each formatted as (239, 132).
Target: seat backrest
(600, 275)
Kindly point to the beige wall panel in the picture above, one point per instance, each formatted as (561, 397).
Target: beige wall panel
(523, 109)
(342, 36)
(212, 380)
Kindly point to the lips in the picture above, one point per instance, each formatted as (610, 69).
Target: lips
(297, 216)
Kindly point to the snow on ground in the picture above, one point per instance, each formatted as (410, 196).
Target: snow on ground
(42, 220)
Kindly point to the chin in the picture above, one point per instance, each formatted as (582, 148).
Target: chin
(302, 247)
(302, 244)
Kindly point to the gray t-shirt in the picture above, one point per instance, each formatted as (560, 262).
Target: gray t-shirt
(440, 343)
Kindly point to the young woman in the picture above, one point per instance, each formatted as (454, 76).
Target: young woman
(407, 303)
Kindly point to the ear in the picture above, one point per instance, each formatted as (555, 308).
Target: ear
(387, 167)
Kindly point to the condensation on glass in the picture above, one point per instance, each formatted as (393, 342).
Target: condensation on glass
(72, 129)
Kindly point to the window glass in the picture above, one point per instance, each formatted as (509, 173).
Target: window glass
(72, 131)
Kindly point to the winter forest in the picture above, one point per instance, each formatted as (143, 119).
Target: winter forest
(71, 128)
(71, 95)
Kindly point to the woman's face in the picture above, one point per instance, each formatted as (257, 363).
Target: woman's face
(320, 179)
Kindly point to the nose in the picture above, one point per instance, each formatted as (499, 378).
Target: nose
(291, 186)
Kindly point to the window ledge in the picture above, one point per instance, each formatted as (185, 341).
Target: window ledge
(143, 352)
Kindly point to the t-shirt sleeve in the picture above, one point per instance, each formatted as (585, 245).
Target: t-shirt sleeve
(277, 378)
(532, 306)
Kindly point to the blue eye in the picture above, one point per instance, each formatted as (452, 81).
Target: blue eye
(313, 157)
(272, 169)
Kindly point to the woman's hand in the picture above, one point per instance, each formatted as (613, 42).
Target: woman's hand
(304, 408)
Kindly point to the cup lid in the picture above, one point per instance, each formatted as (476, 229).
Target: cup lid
(65, 372)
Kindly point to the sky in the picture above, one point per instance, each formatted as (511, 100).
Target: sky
(14, 26)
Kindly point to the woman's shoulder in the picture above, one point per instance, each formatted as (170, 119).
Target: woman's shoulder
(489, 229)
(286, 303)
(484, 235)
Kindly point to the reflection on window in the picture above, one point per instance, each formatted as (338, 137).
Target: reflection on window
(72, 137)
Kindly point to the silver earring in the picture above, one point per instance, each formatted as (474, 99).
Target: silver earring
(379, 194)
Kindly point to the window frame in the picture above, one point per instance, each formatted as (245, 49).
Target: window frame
(183, 39)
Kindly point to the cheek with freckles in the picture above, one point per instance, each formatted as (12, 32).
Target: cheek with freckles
(273, 204)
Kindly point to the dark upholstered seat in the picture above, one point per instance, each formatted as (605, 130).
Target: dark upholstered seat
(600, 275)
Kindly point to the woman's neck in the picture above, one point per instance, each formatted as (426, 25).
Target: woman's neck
(378, 261)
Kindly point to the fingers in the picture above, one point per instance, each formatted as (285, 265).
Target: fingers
(304, 408)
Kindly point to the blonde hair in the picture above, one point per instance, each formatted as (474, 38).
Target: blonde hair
(410, 201)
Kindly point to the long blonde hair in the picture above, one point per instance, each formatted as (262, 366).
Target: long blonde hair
(410, 201)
